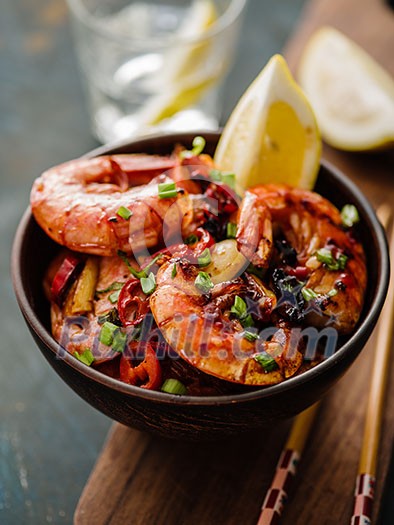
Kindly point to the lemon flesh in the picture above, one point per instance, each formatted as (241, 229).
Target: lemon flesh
(272, 135)
(184, 62)
(180, 78)
(353, 97)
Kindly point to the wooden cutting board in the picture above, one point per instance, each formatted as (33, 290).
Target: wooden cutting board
(144, 480)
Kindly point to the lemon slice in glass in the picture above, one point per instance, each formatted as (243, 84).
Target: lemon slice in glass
(180, 78)
(183, 62)
(352, 95)
(272, 135)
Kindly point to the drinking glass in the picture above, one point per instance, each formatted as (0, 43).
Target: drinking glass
(156, 64)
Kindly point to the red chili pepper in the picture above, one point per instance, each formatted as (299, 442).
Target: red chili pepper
(147, 374)
(133, 305)
(301, 272)
(205, 240)
(225, 197)
(345, 282)
(64, 277)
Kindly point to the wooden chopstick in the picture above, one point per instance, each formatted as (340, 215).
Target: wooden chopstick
(365, 483)
(286, 468)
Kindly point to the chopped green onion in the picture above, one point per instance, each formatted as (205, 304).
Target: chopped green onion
(203, 282)
(239, 307)
(325, 256)
(114, 286)
(148, 284)
(266, 361)
(173, 386)
(308, 294)
(124, 212)
(86, 357)
(342, 259)
(229, 180)
(205, 258)
(192, 239)
(349, 215)
(216, 175)
(111, 335)
(231, 230)
(174, 271)
(135, 273)
(107, 333)
(166, 186)
(250, 336)
(168, 194)
(119, 341)
(114, 296)
(247, 321)
(198, 147)
(111, 316)
(167, 190)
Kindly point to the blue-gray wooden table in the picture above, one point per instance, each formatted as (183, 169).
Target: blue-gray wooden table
(49, 438)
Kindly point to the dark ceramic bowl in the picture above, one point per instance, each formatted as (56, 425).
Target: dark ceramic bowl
(199, 417)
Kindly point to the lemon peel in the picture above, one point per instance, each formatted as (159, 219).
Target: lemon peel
(352, 95)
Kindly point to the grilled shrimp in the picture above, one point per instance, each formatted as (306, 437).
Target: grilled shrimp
(301, 232)
(76, 203)
(200, 328)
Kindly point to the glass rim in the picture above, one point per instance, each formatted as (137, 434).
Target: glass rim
(228, 17)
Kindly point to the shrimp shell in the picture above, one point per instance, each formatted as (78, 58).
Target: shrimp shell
(309, 222)
(76, 203)
(212, 343)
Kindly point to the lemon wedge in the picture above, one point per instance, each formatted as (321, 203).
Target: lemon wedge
(181, 76)
(272, 135)
(352, 95)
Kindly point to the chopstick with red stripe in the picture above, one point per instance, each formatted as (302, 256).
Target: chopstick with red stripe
(365, 483)
(286, 468)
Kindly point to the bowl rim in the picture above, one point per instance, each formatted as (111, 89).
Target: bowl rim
(361, 332)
